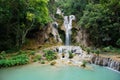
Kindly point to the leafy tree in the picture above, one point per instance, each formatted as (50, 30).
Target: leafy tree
(74, 7)
(17, 18)
(102, 22)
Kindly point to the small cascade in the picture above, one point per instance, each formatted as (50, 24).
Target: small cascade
(60, 50)
(108, 62)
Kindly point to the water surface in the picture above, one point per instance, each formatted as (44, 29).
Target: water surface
(47, 72)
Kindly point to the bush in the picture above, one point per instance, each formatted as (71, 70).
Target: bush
(84, 64)
(107, 49)
(88, 50)
(50, 55)
(42, 62)
(83, 48)
(32, 53)
(118, 42)
(70, 55)
(92, 51)
(2, 55)
(97, 52)
(37, 58)
(22, 52)
(15, 60)
(53, 63)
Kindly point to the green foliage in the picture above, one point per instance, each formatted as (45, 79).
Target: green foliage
(42, 62)
(16, 21)
(111, 50)
(71, 55)
(74, 7)
(15, 60)
(118, 42)
(22, 52)
(84, 64)
(107, 49)
(97, 52)
(101, 20)
(2, 55)
(32, 52)
(50, 55)
(37, 58)
(53, 63)
(88, 50)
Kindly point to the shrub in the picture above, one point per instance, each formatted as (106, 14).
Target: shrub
(84, 64)
(32, 53)
(2, 55)
(118, 42)
(50, 55)
(42, 62)
(37, 58)
(88, 50)
(21, 52)
(107, 49)
(92, 51)
(53, 63)
(15, 60)
(70, 55)
(97, 52)
(3, 52)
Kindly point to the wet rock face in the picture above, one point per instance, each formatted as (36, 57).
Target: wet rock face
(108, 62)
(51, 34)
(81, 36)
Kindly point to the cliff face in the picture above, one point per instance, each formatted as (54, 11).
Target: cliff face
(80, 36)
(49, 34)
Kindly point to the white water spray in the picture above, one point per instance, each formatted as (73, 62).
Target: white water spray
(68, 27)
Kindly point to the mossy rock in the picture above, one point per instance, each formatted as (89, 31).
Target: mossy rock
(53, 63)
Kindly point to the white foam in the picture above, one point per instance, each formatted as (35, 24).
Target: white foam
(112, 69)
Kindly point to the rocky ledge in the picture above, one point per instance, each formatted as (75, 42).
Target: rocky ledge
(106, 61)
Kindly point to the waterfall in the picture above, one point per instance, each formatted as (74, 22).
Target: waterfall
(108, 62)
(68, 27)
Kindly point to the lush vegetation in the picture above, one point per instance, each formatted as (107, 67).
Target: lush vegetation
(24, 57)
(102, 22)
(53, 63)
(50, 55)
(17, 18)
(100, 18)
(71, 55)
(14, 60)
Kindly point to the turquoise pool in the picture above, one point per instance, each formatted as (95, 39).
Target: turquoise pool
(47, 72)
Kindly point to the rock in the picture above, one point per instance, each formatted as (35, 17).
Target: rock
(63, 28)
(82, 37)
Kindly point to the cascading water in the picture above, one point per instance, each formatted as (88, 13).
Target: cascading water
(68, 27)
